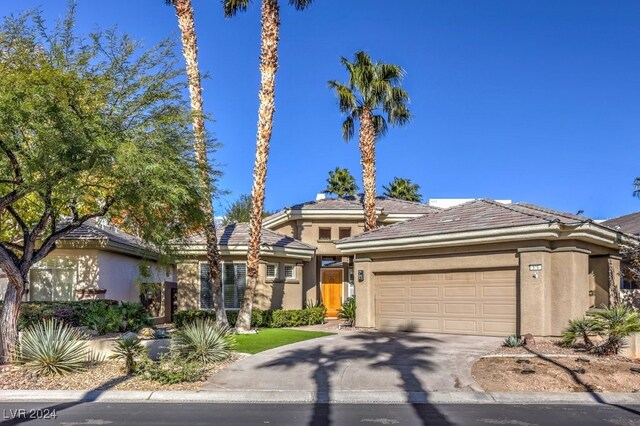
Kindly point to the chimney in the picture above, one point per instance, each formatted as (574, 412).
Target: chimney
(321, 196)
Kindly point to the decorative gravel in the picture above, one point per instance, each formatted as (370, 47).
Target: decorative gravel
(98, 376)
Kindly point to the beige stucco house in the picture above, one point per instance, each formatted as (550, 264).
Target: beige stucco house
(94, 261)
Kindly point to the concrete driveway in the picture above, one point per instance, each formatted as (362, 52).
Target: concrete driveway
(363, 361)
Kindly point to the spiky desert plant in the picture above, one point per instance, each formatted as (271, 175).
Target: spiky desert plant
(582, 328)
(52, 347)
(203, 341)
(128, 348)
(348, 309)
(615, 323)
(512, 341)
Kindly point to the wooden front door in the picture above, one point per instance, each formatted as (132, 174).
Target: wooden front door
(332, 290)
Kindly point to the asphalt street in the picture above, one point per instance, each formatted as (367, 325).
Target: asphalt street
(83, 413)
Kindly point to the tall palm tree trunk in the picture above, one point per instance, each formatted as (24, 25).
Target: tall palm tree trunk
(268, 67)
(367, 143)
(184, 13)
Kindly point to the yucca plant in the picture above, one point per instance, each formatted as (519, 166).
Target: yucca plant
(582, 328)
(348, 310)
(128, 349)
(203, 341)
(52, 347)
(615, 323)
(512, 341)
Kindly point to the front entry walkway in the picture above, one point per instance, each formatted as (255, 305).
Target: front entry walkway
(407, 362)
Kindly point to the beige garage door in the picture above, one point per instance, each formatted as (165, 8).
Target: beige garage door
(479, 302)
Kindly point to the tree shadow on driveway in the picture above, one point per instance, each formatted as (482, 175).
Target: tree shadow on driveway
(402, 355)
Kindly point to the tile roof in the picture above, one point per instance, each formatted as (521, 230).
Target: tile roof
(629, 224)
(92, 231)
(471, 216)
(389, 205)
(237, 234)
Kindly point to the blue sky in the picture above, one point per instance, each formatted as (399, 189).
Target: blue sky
(534, 101)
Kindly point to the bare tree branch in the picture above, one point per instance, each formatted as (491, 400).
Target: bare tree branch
(13, 160)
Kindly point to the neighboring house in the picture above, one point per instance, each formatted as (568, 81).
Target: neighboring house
(629, 224)
(483, 268)
(94, 261)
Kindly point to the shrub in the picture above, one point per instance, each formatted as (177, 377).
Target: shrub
(73, 312)
(268, 319)
(171, 370)
(615, 324)
(102, 319)
(52, 347)
(581, 328)
(128, 349)
(133, 316)
(348, 310)
(512, 342)
(203, 341)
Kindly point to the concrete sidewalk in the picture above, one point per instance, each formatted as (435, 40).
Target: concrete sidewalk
(338, 397)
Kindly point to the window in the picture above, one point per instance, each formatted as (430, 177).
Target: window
(272, 270)
(289, 271)
(345, 233)
(53, 279)
(324, 234)
(330, 261)
(626, 284)
(234, 282)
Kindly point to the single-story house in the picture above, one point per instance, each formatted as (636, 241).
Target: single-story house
(483, 268)
(95, 261)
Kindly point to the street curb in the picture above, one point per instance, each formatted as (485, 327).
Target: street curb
(338, 397)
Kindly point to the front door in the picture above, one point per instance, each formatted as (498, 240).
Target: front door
(332, 290)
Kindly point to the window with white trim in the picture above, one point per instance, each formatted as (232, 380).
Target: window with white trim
(289, 271)
(53, 279)
(234, 283)
(272, 270)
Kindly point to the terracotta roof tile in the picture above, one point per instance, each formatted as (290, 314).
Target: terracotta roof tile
(237, 234)
(629, 224)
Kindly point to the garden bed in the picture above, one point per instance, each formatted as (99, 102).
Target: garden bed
(99, 376)
(549, 367)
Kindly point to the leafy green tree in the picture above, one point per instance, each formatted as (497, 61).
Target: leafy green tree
(373, 97)
(403, 189)
(89, 127)
(340, 182)
(269, 37)
(239, 211)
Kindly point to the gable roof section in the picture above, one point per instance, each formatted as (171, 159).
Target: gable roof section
(629, 223)
(387, 208)
(234, 239)
(472, 218)
(106, 237)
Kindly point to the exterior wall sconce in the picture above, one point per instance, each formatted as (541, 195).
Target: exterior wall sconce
(360, 275)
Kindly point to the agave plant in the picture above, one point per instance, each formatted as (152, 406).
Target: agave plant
(203, 341)
(615, 324)
(128, 348)
(52, 347)
(512, 341)
(582, 328)
(348, 310)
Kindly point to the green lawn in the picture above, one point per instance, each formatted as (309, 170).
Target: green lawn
(269, 338)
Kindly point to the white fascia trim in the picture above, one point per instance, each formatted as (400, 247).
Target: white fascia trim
(287, 252)
(554, 231)
(319, 214)
(401, 217)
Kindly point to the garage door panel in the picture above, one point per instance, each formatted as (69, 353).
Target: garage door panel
(391, 292)
(456, 291)
(431, 292)
(425, 308)
(460, 308)
(461, 302)
(501, 291)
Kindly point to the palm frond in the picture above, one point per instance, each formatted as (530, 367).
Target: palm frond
(390, 73)
(346, 98)
(232, 7)
(379, 124)
(348, 129)
(300, 4)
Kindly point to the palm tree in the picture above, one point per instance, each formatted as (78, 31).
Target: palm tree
(184, 13)
(403, 189)
(270, 23)
(341, 183)
(372, 92)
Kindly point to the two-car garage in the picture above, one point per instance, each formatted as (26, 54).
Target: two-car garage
(479, 302)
